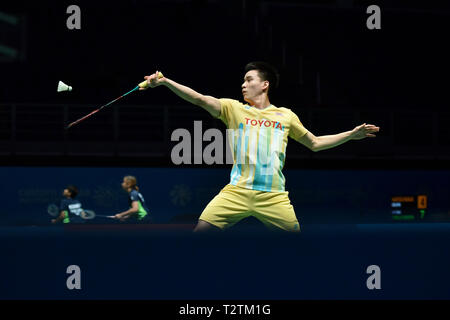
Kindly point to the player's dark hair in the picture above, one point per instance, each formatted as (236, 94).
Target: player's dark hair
(265, 72)
(73, 191)
(133, 182)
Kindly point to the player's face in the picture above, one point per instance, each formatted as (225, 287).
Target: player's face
(253, 86)
(125, 184)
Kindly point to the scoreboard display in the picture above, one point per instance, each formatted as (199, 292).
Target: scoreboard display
(408, 207)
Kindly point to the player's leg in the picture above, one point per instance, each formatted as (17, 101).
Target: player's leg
(275, 210)
(226, 209)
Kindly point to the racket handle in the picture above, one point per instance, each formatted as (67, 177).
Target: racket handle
(145, 84)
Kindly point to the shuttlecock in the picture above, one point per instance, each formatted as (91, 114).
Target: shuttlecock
(63, 87)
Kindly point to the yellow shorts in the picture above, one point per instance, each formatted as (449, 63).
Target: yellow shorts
(233, 204)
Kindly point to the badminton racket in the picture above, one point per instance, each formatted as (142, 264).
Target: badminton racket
(90, 214)
(53, 211)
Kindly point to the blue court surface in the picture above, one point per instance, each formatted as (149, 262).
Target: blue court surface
(168, 261)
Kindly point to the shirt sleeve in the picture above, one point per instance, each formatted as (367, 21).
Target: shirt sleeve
(226, 110)
(297, 130)
(134, 196)
(63, 206)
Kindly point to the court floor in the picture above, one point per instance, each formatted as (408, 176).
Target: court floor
(171, 262)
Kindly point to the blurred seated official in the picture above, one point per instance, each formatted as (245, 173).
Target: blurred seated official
(70, 209)
(138, 211)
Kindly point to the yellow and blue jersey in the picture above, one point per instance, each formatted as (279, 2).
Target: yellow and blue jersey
(258, 140)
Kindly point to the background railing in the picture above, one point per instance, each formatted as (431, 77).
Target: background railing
(145, 131)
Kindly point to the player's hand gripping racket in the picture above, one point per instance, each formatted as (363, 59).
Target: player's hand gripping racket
(142, 85)
(90, 214)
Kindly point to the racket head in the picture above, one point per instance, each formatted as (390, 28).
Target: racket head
(88, 214)
(53, 210)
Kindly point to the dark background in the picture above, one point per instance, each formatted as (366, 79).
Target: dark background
(335, 74)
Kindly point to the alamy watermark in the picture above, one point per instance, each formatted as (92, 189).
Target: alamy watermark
(374, 280)
(374, 20)
(74, 280)
(240, 146)
(74, 20)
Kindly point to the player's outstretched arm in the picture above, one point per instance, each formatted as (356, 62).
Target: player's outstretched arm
(210, 104)
(126, 214)
(330, 141)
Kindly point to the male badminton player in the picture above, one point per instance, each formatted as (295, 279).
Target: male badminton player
(261, 129)
(138, 211)
(71, 210)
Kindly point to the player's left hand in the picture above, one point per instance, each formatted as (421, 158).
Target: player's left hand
(364, 131)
